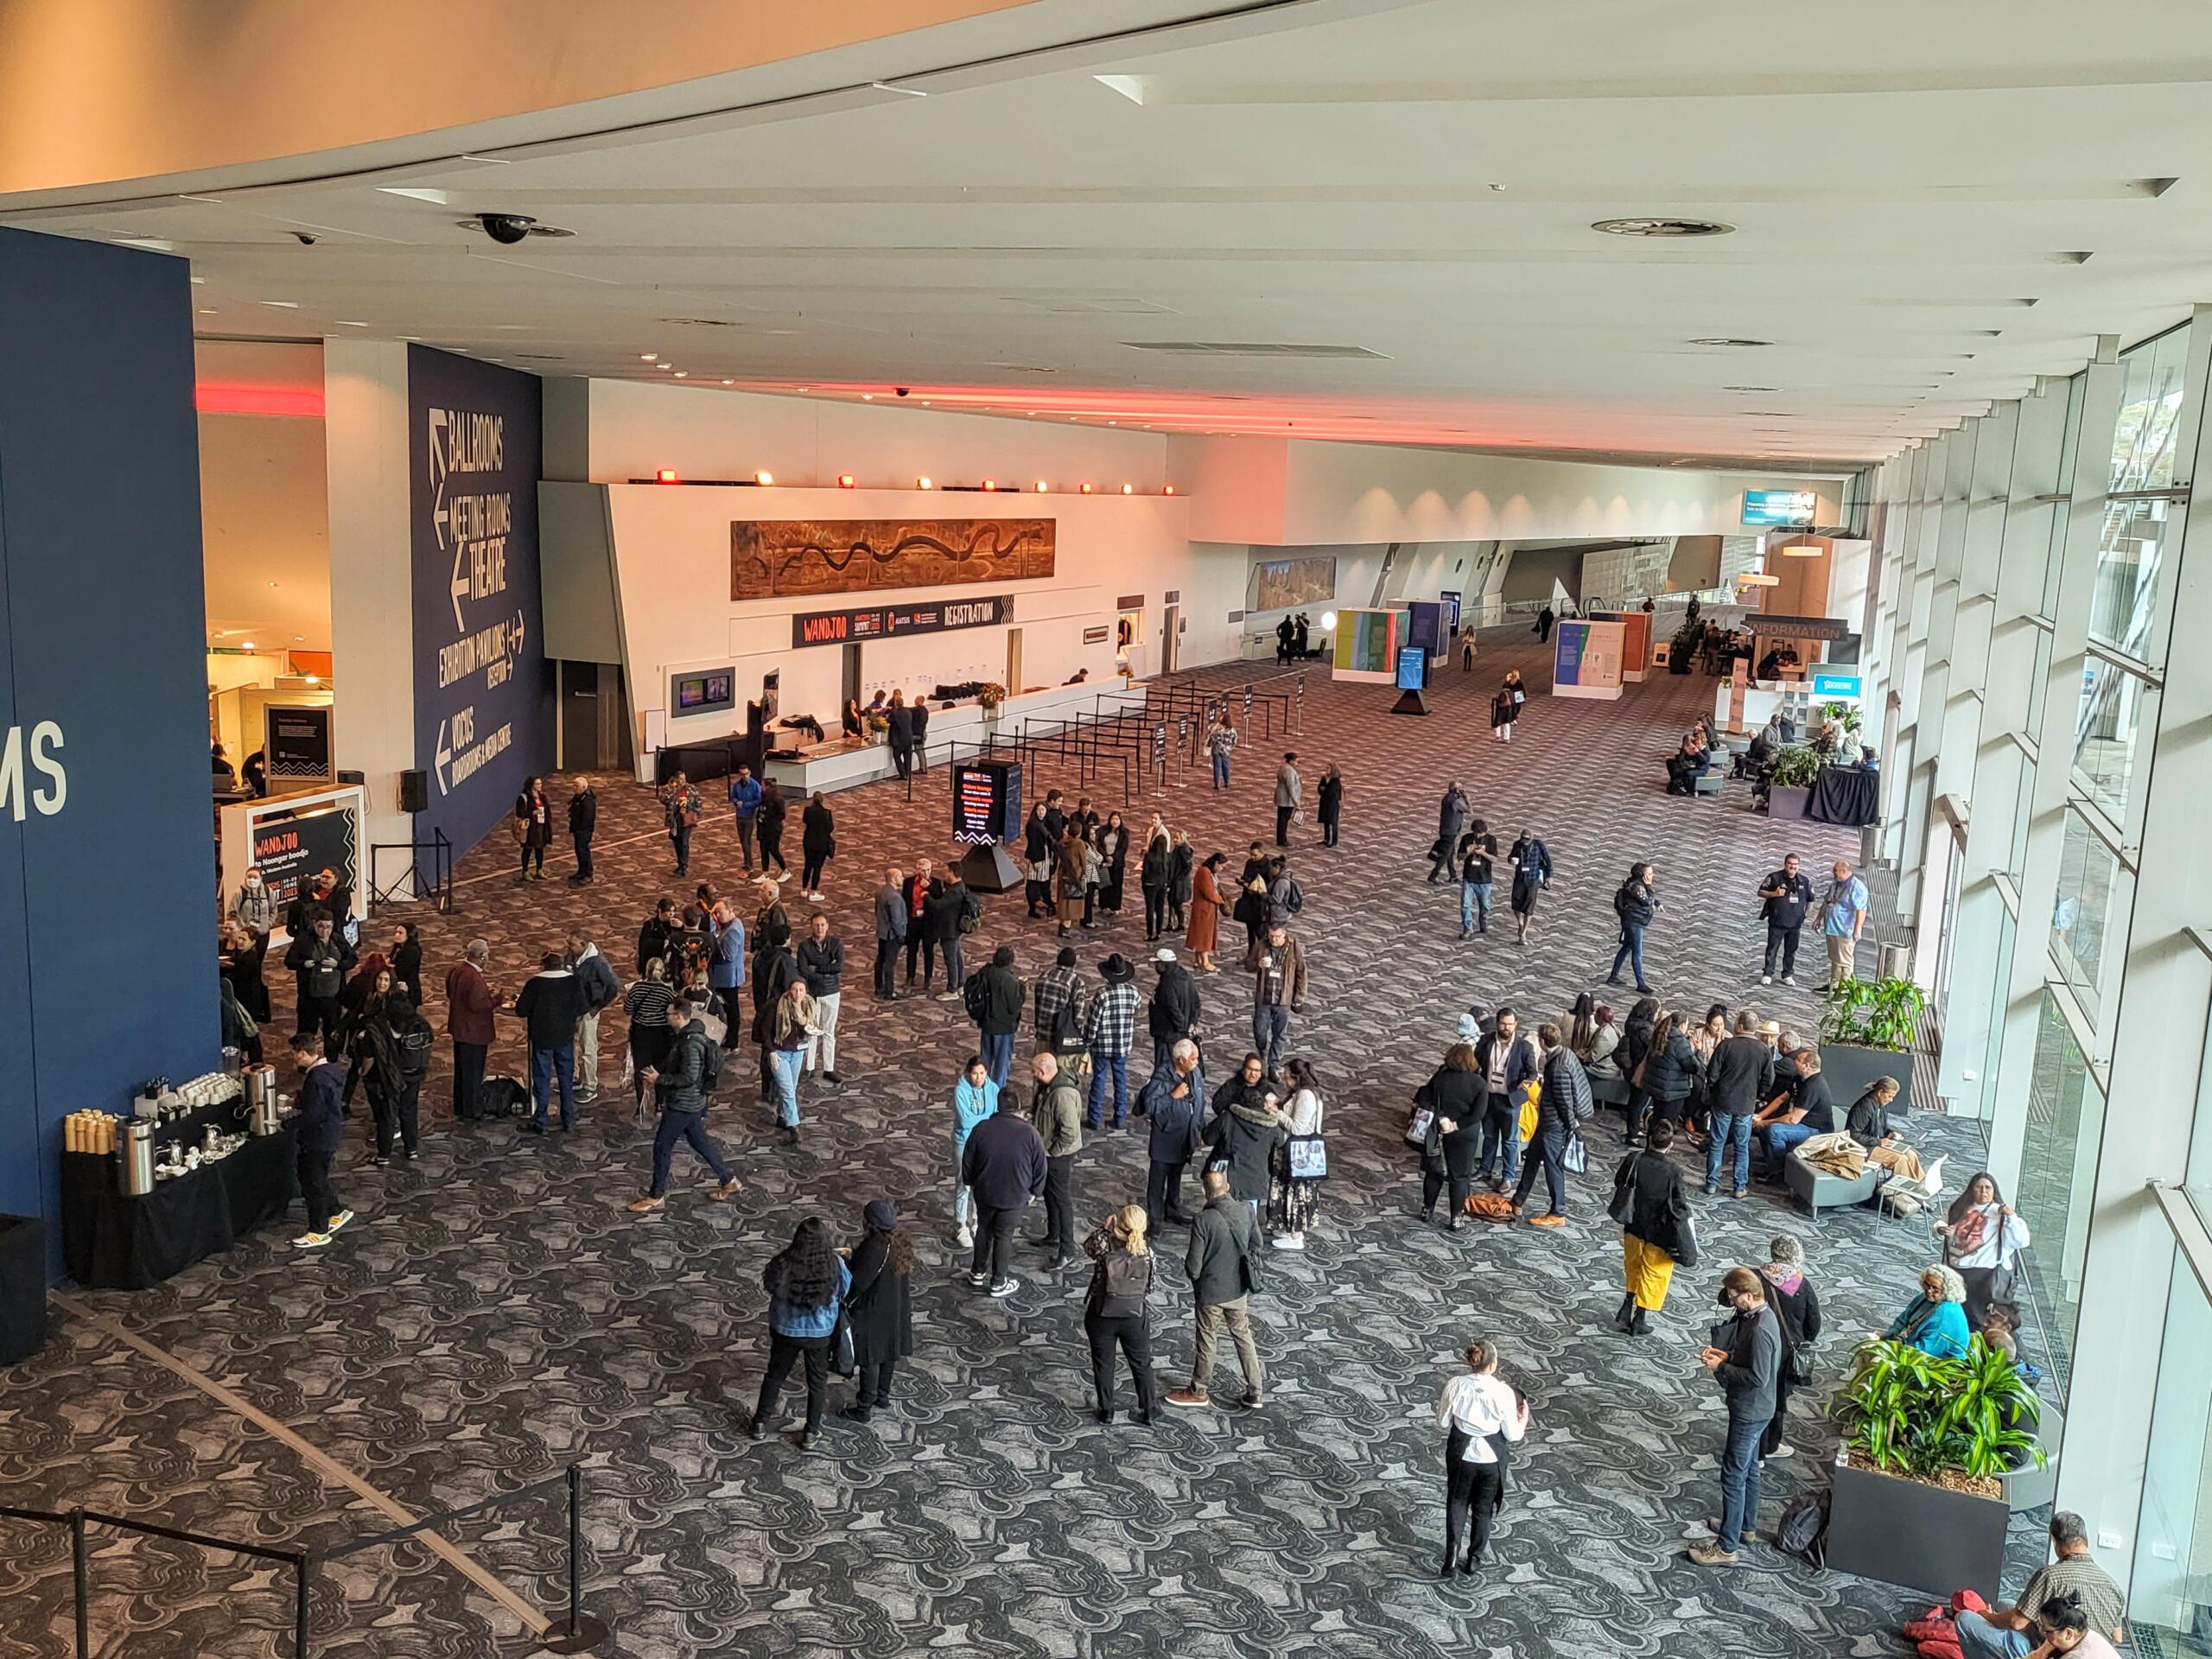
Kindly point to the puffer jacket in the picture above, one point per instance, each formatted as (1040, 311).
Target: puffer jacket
(1634, 904)
(1668, 1075)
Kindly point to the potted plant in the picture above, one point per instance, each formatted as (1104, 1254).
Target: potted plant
(1682, 651)
(1789, 789)
(1867, 1029)
(1918, 1498)
(1845, 714)
(991, 695)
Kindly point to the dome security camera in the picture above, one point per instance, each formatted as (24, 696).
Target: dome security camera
(901, 390)
(303, 239)
(506, 229)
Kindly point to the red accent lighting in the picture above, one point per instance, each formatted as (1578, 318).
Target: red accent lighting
(1086, 489)
(234, 398)
(667, 475)
(847, 482)
(990, 484)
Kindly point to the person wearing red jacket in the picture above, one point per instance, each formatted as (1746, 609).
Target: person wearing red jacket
(469, 1002)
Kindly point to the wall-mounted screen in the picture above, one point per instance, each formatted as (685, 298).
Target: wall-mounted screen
(703, 692)
(1796, 508)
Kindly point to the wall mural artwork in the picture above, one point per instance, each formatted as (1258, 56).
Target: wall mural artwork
(1285, 584)
(783, 559)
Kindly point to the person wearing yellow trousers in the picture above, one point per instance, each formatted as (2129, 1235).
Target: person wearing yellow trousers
(1657, 1234)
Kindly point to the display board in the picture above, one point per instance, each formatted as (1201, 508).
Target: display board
(1426, 626)
(483, 688)
(1795, 509)
(296, 743)
(886, 621)
(986, 802)
(793, 558)
(292, 836)
(1413, 668)
(1586, 659)
(1285, 584)
(1636, 641)
(1367, 645)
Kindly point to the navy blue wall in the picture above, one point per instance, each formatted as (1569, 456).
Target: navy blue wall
(107, 878)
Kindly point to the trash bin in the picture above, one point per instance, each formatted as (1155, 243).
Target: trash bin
(1896, 962)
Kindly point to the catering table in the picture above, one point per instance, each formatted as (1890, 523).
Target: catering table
(1845, 795)
(113, 1241)
(22, 1287)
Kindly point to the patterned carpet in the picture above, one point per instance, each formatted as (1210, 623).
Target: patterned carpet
(494, 1311)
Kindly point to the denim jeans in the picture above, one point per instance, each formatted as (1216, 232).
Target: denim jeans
(681, 837)
(1474, 906)
(1631, 951)
(1102, 1066)
(682, 1126)
(548, 1066)
(1729, 1127)
(998, 1055)
(1221, 769)
(1271, 1033)
(1739, 1480)
(1502, 1133)
(785, 1063)
(1779, 1138)
(1980, 1639)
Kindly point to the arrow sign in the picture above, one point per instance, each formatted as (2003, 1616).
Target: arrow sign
(443, 759)
(459, 586)
(514, 644)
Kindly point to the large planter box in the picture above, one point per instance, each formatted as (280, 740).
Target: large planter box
(2029, 1487)
(1850, 1069)
(1787, 801)
(1921, 1537)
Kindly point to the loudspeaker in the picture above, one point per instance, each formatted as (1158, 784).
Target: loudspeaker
(414, 791)
(353, 776)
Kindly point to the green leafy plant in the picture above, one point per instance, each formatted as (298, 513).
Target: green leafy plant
(1879, 1013)
(1844, 714)
(1796, 767)
(1915, 1414)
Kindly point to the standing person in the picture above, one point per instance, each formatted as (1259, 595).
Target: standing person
(1038, 854)
(899, 719)
(1636, 1033)
(1478, 851)
(404, 1042)
(322, 1120)
(1745, 1357)
(726, 969)
(550, 1003)
(533, 829)
(921, 712)
(918, 887)
(974, 1098)
(1175, 1101)
(680, 808)
(1300, 634)
(1289, 792)
(1221, 743)
(1545, 618)
(879, 1307)
(1634, 904)
(1563, 1106)
(1072, 868)
(1182, 862)
(1455, 1094)
(1982, 1237)
(1293, 1197)
(1114, 860)
(1797, 1304)
(745, 805)
(254, 909)
(1331, 805)
(1224, 1266)
(682, 1081)
(1670, 1068)
(1286, 631)
(791, 1029)
(1153, 876)
(1174, 1010)
(1451, 824)
(1737, 1078)
(1247, 1134)
(1278, 991)
(1114, 1311)
(769, 822)
(319, 959)
(822, 968)
(657, 934)
(952, 913)
(1203, 937)
(1785, 896)
(1531, 862)
(1484, 1415)
(890, 932)
(1503, 709)
(996, 998)
(600, 988)
(807, 1282)
(407, 962)
(648, 1002)
(583, 824)
(1109, 1033)
(1057, 1109)
(1004, 1165)
(470, 1004)
(1504, 1060)
(1657, 1231)
(1061, 1010)
(817, 843)
(1843, 919)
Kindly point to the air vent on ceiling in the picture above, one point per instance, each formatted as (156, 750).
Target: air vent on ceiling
(1247, 348)
(699, 322)
(1663, 228)
(1067, 305)
(1723, 340)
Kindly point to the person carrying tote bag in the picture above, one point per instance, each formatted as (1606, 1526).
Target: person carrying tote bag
(1982, 1239)
(1302, 1161)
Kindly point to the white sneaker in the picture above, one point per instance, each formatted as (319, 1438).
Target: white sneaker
(965, 1238)
(1785, 1450)
(782, 876)
(312, 1241)
(340, 1219)
(1288, 1241)
(814, 899)
(1766, 979)
(1006, 1286)
(1789, 979)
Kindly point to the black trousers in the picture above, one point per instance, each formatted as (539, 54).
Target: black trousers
(319, 1014)
(784, 1352)
(886, 961)
(994, 1241)
(1282, 825)
(875, 1385)
(1471, 1492)
(1059, 1204)
(1783, 941)
(1133, 1333)
(921, 942)
(1329, 829)
(1155, 912)
(396, 1117)
(533, 852)
(583, 856)
(1772, 1438)
(1163, 1195)
(810, 880)
(1433, 1182)
(314, 1188)
(902, 758)
(468, 1080)
(745, 840)
(772, 849)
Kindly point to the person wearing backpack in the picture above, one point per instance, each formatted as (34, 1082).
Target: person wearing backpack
(407, 1040)
(1116, 1312)
(995, 997)
(1062, 1011)
(1634, 903)
(680, 1085)
(1563, 1106)
(951, 913)
(1285, 899)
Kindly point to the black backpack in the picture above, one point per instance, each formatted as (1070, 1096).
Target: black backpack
(1066, 1035)
(710, 1065)
(1294, 898)
(1803, 1531)
(971, 911)
(975, 996)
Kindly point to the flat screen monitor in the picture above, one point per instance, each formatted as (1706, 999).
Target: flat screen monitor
(1795, 508)
(699, 694)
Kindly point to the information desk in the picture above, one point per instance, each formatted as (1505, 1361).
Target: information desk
(1848, 795)
(112, 1241)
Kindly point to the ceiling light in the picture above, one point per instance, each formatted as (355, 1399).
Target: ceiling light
(1758, 579)
(1129, 86)
(867, 397)
(729, 382)
(924, 483)
(1042, 486)
(272, 584)
(1167, 489)
(1803, 550)
(206, 310)
(1723, 340)
(281, 305)
(299, 639)
(847, 482)
(1660, 226)
(904, 91)
(246, 644)
(990, 484)
(684, 374)
(925, 403)
(667, 475)
(1328, 620)
(200, 282)
(648, 357)
(1128, 489)
(764, 479)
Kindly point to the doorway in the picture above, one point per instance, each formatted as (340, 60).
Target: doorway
(850, 677)
(1013, 662)
(1128, 642)
(1170, 626)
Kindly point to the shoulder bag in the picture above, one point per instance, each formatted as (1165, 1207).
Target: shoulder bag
(1575, 1161)
(1307, 1157)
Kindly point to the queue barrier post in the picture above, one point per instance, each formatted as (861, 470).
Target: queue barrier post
(80, 1564)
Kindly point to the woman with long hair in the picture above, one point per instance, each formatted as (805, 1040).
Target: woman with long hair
(817, 844)
(1981, 1238)
(1634, 903)
(407, 961)
(880, 1307)
(1454, 1146)
(807, 1282)
(1636, 1044)
(1038, 853)
(1582, 1025)
(1202, 938)
(1182, 863)
(1154, 876)
(1703, 1040)
(1293, 1198)
(1670, 1070)
(646, 1003)
(1113, 841)
(1487, 1417)
(533, 829)
(1117, 1310)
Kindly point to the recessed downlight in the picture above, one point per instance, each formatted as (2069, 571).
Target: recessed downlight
(1663, 228)
(1751, 388)
(1729, 340)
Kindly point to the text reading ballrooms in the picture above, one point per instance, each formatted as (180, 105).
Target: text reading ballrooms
(40, 746)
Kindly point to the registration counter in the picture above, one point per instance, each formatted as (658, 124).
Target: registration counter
(844, 763)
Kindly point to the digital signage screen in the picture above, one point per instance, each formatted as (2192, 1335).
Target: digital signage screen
(1795, 509)
(1413, 668)
(699, 694)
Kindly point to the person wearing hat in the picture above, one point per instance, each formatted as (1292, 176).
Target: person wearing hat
(1057, 1111)
(1109, 1034)
(879, 1307)
(1173, 1012)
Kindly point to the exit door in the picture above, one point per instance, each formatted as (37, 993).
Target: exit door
(1013, 662)
(1170, 626)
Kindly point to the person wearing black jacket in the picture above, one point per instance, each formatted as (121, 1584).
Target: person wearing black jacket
(1738, 1080)
(583, 824)
(403, 1041)
(319, 959)
(1039, 849)
(1563, 1105)
(774, 969)
(1115, 1311)
(1532, 874)
(321, 1126)
(1004, 1166)
(680, 1087)
(1503, 1060)
(997, 1001)
(1244, 1135)
(821, 959)
(1454, 1145)
(657, 934)
(1634, 904)
(768, 820)
(1805, 1110)
(1182, 872)
(1791, 1295)
(817, 844)
(900, 720)
(550, 1003)
(1656, 1232)
(407, 962)
(1670, 1069)
(1152, 876)
(920, 712)
(879, 1307)
(1745, 1357)
(1329, 805)
(1173, 1013)
(1785, 896)
(1635, 1044)
(1175, 1101)
(948, 907)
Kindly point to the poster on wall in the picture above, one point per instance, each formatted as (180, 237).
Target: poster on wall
(483, 689)
(1285, 584)
(291, 848)
(789, 558)
(1636, 640)
(296, 743)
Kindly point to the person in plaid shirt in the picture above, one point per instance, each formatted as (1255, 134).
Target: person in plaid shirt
(1061, 988)
(1110, 1032)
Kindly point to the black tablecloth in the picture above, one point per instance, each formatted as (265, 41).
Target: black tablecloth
(22, 1286)
(718, 758)
(115, 1241)
(1845, 795)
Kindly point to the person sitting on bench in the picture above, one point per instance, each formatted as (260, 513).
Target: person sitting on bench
(1689, 763)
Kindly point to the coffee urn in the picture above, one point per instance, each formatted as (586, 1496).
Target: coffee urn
(262, 1109)
(136, 1150)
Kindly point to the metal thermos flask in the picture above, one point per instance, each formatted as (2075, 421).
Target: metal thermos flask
(261, 1100)
(136, 1152)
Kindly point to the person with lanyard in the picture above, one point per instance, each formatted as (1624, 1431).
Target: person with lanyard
(1843, 919)
(1786, 895)
(1487, 1417)
(1745, 1356)
(745, 803)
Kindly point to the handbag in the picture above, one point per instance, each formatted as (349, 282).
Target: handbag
(1307, 1157)
(1424, 1119)
(841, 1348)
(1575, 1161)
(1623, 1208)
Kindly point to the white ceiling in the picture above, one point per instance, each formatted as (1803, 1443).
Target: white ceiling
(1933, 206)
